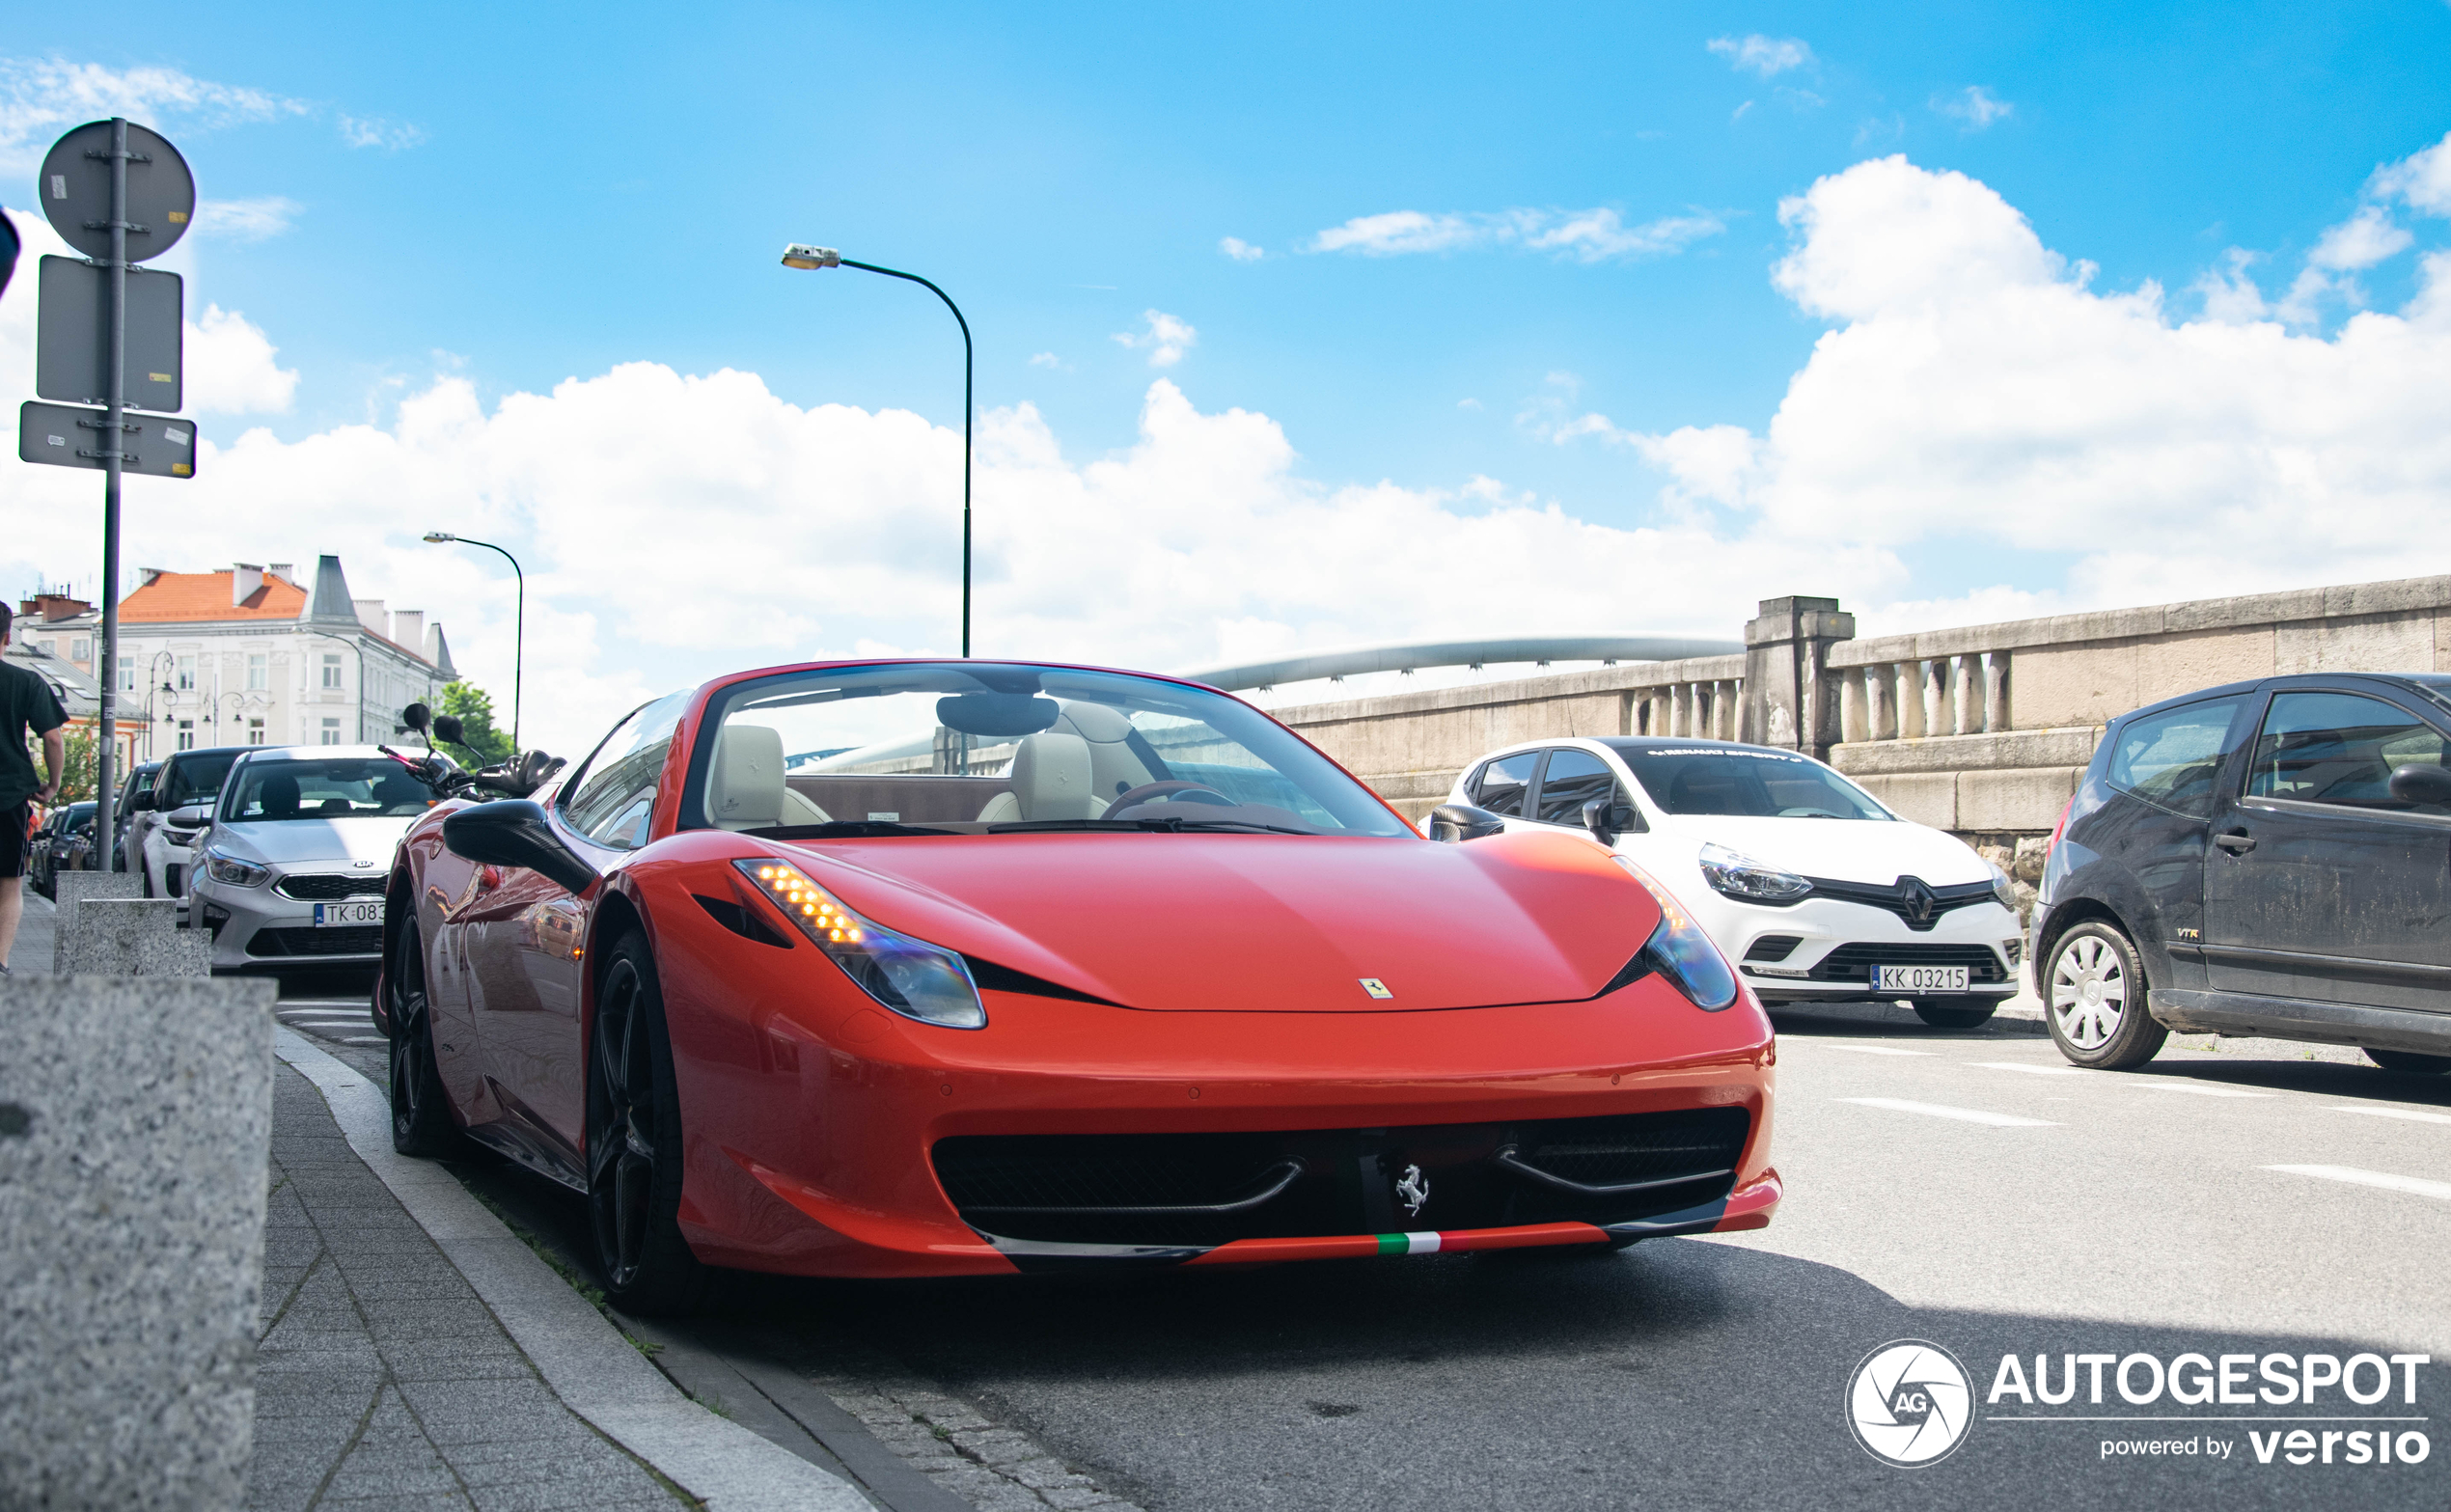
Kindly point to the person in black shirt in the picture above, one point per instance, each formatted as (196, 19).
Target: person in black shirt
(26, 703)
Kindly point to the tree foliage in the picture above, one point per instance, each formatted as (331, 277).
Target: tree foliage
(474, 708)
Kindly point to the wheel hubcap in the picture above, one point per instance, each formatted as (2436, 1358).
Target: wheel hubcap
(2088, 992)
(621, 1149)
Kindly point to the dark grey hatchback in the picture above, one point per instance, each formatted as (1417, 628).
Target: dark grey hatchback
(2268, 858)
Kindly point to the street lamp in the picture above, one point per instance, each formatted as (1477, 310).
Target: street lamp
(800, 255)
(519, 634)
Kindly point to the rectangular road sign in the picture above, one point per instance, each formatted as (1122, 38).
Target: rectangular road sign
(72, 336)
(158, 446)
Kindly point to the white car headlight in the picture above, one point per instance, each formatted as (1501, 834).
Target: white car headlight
(2001, 888)
(911, 976)
(226, 867)
(1737, 875)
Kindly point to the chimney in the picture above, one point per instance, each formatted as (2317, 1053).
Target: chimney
(149, 574)
(370, 613)
(244, 579)
(408, 627)
(285, 571)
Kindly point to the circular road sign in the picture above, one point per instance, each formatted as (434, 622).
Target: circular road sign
(76, 190)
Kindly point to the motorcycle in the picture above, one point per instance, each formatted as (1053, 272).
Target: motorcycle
(523, 774)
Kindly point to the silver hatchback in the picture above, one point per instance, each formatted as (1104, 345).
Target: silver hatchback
(290, 875)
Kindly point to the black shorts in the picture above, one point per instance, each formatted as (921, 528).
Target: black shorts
(16, 821)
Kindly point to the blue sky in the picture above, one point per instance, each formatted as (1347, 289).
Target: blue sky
(515, 198)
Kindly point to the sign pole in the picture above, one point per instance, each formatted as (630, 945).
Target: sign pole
(114, 445)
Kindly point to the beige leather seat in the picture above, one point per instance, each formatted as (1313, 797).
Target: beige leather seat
(1050, 781)
(746, 790)
(1113, 767)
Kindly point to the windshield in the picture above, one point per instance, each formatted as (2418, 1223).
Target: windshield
(1744, 782)
(342, 787)
(195, 778)
(987, 747)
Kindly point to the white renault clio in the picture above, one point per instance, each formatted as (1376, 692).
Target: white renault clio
(1814, 889)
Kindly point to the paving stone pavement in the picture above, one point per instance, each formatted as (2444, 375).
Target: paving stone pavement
(382, 1379)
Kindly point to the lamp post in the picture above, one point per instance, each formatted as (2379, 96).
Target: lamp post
(801, 255)
(519, 633)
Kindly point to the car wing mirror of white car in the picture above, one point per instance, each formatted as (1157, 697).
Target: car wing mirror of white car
(1607, 820)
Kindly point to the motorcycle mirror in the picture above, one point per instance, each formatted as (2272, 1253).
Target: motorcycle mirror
(449, 727)
(417, 717)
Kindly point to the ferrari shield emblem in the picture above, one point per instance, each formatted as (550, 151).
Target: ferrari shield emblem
(1375, 987)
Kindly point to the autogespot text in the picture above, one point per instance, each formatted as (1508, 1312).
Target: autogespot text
(2330, 1390)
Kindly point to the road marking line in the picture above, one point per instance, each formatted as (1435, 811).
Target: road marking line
(2020, 1065)
(2409, 1114)
(1877, 1050)
(1998, 1121)
(2415, 1185)
(2200, 1089)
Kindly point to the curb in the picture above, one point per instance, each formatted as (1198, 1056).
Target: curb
(587, 1361)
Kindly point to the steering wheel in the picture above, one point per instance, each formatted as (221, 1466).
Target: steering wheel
(1169, 790)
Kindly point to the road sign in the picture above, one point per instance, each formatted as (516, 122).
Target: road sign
(73, 335)
(75, 187)
(157, 446)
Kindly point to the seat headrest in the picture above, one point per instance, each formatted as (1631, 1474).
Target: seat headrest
(745, 789)
(1097, 722)
(279, 795)
(1051, 777)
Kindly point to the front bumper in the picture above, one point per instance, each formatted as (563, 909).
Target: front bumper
(257, 929)
(1837, 943)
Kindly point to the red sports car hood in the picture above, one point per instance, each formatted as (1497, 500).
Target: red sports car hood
(1261, 922)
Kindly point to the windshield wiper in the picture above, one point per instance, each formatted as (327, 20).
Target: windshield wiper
(1150, 826)
(844, 830)
(1229, 824)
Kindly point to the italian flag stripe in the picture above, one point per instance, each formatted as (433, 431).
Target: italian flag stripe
(1408, 1244)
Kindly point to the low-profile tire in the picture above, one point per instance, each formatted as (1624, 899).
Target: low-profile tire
(2408, 1060)
(2094, 1000)
(421, 1121)
(634, 1143)
(1955, 1015)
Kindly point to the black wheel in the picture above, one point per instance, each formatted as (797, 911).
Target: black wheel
(1955, 1015)
(2408, 1060)
(634, 1143)
(422, 1122)
(2094, 1000)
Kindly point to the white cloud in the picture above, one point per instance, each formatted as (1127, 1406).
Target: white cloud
(389, 135)
(2361, 242)
(1239, 250)
(245, 220)
(2423, 179)
(1974, 107)
(41, 97)
(2230, 294)
(1763, 55)
(1165, 341)
(1591, 236)
(233, 367)
(1049, 360)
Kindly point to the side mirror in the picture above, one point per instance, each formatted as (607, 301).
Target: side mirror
(1456, 822)
(1607, 820)
(2422, 781)
(146, 802)
(515, 833)
(191, 816)
(449, 727)
(417, 717)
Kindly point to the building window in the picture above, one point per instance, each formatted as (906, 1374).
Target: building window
(255, 729)
(187, 735)
(257, 663)
(187, 674)
(81, 648)
(126, 676)
(331, 731)
(331, 673)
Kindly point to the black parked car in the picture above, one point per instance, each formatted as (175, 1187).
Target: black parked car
(63, 842)
(2268, 858)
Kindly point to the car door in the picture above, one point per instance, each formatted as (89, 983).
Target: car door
(524, 931)
(2168, 770)
(1569, 779)
(1504, 786)
(2322, 886)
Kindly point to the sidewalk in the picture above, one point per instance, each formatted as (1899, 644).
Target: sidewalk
(31, 955)
(383, 1378)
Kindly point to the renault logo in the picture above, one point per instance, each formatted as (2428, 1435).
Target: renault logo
(1917, 903)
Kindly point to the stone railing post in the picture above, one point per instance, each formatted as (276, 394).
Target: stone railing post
(1965, 692)
(1853, 725)
(1939, 718)
(1880, 702)
(1791, 699)
(1995, 693)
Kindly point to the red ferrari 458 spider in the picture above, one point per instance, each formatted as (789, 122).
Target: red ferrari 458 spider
(938, 968)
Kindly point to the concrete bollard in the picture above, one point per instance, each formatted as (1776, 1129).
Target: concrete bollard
(135, 1129)
(129, 937)
(75, 886)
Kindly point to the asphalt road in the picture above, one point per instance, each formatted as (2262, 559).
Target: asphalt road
(1964, 1189)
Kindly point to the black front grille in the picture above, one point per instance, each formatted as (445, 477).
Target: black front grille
(350, 940)
(1200, 1190)
(326, 887)
(1911, 898)
(1773, 947)
(1854, 962)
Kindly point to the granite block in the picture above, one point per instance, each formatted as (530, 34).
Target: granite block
(131, 1237)
(129, 937)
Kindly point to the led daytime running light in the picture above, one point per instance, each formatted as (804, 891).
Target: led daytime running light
(911, 976)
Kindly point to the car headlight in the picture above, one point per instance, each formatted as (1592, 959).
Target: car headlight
(180, 838)
(2001, 888)
(223, 866)
(913, 977)
(1680, 950)
(1737, 875)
